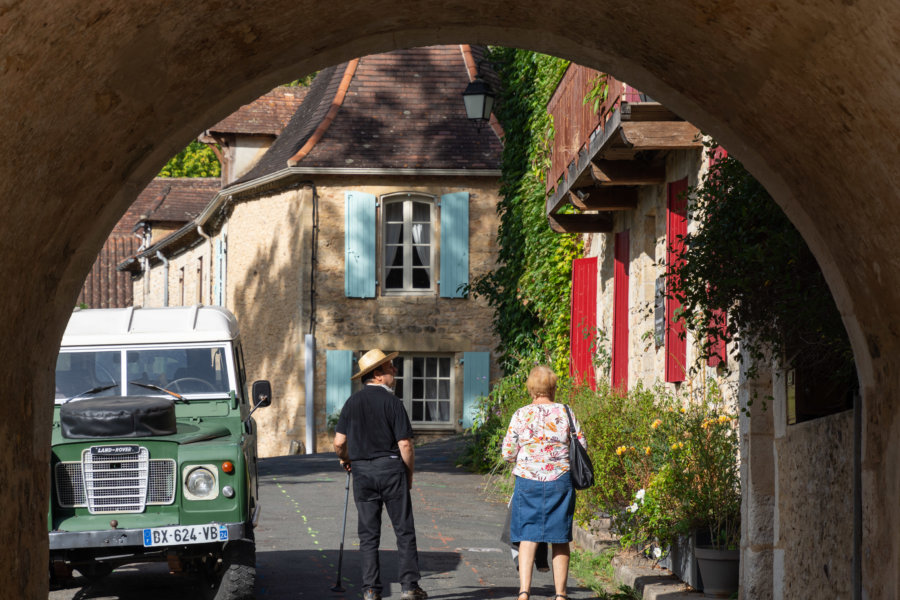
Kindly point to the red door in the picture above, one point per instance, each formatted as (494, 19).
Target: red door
(583, 327)
(676, 226)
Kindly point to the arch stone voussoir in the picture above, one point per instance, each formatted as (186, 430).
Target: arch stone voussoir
(97, 95)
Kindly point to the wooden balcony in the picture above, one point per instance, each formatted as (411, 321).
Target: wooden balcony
(600, 157)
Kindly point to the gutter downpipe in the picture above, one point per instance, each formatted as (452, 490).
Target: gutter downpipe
(205, 236)
(145, 275)
(310, 384)
(165, 263)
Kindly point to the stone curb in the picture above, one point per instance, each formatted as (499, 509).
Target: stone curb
(654, 583)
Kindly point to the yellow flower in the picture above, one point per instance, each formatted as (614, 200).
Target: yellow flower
(621, 450)
(647, 450)
(656, 424)
(682, 409)
(677, 445)
(724, 418)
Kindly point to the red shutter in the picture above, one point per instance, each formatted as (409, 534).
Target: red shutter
(718, 354)
(676, 226)
(583, 327)
(620, 312)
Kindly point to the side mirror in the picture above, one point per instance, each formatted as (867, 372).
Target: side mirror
(262, 393)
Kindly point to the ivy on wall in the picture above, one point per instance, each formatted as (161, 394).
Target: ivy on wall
(530, 289)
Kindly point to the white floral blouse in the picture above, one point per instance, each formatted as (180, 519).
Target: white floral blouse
(538, 441)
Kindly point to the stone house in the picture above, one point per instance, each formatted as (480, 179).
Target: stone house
(623, 169)
(359, 227)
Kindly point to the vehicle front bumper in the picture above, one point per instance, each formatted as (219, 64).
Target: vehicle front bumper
(119, 538)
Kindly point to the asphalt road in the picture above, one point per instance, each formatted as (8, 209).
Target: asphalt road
(298, 537)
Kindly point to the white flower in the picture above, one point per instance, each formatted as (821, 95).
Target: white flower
(632, 508)
(657, 552)
(640, 495)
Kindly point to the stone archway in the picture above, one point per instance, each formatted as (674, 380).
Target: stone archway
(96, 96)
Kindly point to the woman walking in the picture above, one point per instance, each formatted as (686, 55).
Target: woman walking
(544, 500)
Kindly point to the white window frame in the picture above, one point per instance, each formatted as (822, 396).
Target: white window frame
(406, 392)
(408, 198)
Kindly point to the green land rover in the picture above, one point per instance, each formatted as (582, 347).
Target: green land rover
(154, 448)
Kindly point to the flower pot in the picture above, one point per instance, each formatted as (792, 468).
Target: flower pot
(719, 571)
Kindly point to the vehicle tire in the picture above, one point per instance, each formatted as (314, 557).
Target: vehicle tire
(235, 576)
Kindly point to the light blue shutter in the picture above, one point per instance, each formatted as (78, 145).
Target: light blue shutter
(476, 383)
(359, 245)
(219, 286)
(338, 387)
(454, 244)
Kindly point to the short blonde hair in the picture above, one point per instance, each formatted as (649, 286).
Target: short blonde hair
(541, 382)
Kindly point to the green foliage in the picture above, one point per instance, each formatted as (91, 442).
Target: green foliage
(596, 572)
(303, 81)
(748, 258)
(197, 160)
(694, 482)
(530, 290)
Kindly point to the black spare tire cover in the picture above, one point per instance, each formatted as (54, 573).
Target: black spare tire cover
(117, 416)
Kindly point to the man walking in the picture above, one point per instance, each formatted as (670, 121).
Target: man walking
(373, 433)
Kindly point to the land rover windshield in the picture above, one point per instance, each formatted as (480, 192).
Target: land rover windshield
(199, 370)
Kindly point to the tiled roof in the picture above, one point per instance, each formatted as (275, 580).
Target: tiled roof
(403, 110)
(165, 199)
(267, 115)
(179, 199)
(105, 287)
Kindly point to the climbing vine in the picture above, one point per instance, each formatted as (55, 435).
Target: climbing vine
(529, 291)
(197, 160)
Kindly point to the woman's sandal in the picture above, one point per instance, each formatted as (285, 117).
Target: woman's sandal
(560, 596)
(527, 595)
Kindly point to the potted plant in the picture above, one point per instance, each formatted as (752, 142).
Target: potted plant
(693, 490)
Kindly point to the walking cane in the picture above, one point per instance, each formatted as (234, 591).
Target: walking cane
(337, 586)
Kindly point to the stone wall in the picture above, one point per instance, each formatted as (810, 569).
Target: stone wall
(647, 236)
(814, 508)
(427, 324)
(268, 288)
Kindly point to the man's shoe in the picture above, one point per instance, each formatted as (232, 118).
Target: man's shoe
(415, 593)
(371, 594)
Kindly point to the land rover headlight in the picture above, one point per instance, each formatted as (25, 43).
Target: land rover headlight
(200, 482)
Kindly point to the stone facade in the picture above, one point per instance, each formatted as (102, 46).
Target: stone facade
(268, 288)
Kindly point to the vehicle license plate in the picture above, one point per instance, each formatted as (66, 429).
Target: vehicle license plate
(185, 534)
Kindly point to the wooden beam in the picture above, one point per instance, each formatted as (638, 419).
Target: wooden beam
(605, 198)
(593, 223)
(647, 111)
(660, 135)
(627, 172)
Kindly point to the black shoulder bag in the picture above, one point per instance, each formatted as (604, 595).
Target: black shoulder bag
(580, 468)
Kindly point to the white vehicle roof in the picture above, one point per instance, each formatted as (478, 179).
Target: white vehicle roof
(170, 325)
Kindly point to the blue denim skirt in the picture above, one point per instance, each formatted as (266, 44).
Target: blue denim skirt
(542, 510)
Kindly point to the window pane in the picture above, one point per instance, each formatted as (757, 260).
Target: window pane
(443, 388)
(418, 386)
(443, 411)
(398, 364)
(445, 366)
(417, 411)
(430, 389)
(421, 212)
(421, 278)
(418, 365)
(77, 372)
(421, 256)
(421, 233)
(393, 233)
(393, 211)
(393, 256)
(394, 279)
(431, 367)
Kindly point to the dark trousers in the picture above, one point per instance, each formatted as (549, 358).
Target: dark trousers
(376, 483)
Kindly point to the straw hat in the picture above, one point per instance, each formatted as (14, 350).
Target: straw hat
(371, 360)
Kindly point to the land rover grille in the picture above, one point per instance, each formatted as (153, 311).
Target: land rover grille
(116, 482)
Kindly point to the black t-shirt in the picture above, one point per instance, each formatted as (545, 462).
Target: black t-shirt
(373, 419)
